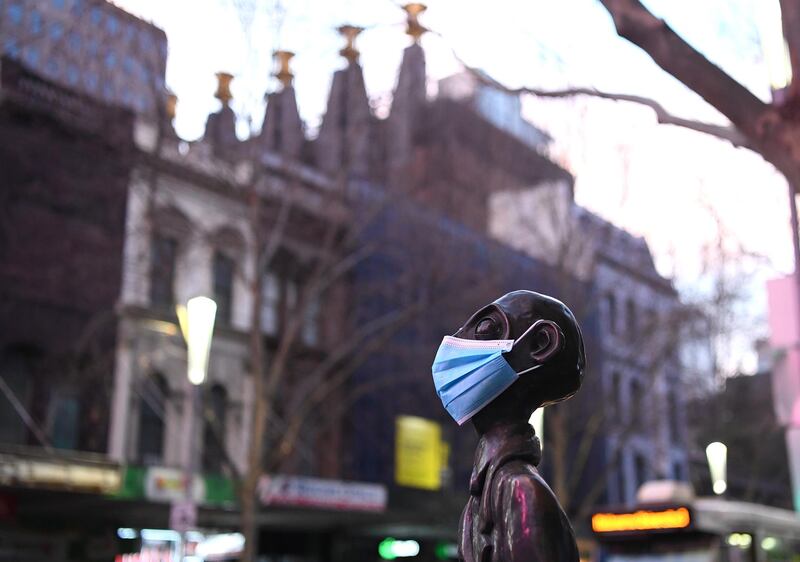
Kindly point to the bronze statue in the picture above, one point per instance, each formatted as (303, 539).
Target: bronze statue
(519, 353)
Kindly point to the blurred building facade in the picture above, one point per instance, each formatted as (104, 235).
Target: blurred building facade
(89, 46)
(642, 375)
(418, 205)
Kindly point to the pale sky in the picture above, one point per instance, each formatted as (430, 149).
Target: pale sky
(656, 181)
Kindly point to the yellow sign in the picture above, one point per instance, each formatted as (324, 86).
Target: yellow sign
(641, 520)
(418, 453)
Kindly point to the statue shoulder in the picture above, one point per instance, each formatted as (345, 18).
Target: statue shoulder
(531, 523)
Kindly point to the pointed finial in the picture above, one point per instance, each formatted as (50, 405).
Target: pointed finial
(413, 27)
(171, 105)
(284, 73)
(223, 92)
(350, 32)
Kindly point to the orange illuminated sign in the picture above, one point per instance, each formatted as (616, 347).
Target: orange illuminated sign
(641, 520)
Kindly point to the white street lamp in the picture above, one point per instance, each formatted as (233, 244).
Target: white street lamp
(717, 454)
(197, 325)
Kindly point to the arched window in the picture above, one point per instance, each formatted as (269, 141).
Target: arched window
(15, 369)
(214, 415)
(153, 397)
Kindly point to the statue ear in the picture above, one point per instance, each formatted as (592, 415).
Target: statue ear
(547, 339)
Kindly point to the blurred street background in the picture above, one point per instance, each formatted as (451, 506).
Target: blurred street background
(234, 232)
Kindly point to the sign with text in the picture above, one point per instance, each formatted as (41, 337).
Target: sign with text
(169, 485)
(419, 453)
(301, 491)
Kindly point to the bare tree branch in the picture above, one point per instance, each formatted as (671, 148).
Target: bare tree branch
(664, 117)
(668, 50)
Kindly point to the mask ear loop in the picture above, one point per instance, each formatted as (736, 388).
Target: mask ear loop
(525, 333)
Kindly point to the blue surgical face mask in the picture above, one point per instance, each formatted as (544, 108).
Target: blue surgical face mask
(468, 374)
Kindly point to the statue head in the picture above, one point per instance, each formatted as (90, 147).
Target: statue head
(550, 356)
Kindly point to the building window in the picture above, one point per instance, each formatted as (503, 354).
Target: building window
(223, 286)
(10, 47)
(15, 369)
(622, 495)
(153, 397)
(36, 22)
(164, 253)
(56, 31)
(611, 310)
(74, 42)
(632, 319)
(32, 56)
(112, 25)
(270, 303)
(64, 410)
(214, 414)
(674, 416)
(677, 471)
(311, 321)
(15, 14)
(640, 463)
(614, 399)
(636, 397)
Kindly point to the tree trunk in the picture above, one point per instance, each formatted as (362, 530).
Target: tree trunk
(248, 492)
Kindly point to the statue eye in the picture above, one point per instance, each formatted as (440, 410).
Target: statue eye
(487, 329)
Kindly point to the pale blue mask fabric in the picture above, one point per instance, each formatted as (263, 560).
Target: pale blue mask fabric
(468, 374)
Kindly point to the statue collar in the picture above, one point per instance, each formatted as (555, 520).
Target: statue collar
(499, 445)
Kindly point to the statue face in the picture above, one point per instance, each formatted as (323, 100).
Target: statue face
(555, 343)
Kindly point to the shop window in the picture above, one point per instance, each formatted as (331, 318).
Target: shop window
(153, 396)
(223, 267)
(164, 252)
(214, 427)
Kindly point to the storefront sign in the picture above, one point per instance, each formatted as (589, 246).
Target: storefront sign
(169, 485)
(418, 453)
(18, 470)
(642, 520)
(317, 492)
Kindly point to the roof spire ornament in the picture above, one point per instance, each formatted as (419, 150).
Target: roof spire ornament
(171, 105)
(223, 92)
(349, 51)
(413, 27)
(283, 72)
